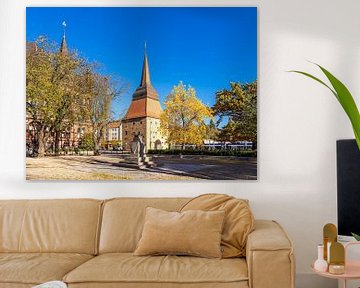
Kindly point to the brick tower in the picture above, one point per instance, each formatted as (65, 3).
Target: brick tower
(143, 115)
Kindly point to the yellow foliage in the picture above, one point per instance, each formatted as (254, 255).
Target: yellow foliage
(183, 120)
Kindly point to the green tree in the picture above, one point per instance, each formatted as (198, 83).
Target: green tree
(227, 132)
(87, 142)
(212, 132)
(67, 77)
(239, 104)
(52, 90)
(40, 90)
(183, 120)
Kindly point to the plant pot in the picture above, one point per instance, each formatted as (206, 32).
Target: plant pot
(348, 187)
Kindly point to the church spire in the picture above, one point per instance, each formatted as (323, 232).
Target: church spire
(145, 101)
(63, 46)
(145, 76)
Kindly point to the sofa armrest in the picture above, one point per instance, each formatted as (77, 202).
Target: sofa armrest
(269, 256)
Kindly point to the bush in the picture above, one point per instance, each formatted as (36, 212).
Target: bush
(87, 142)
(238, 153)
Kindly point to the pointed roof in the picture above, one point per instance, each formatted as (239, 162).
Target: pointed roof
(145, 90)
(145, 76)
(145, 107)
(145, 101)
(63, 46)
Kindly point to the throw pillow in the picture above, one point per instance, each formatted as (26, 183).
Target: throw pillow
(196, 233)
(238, 224)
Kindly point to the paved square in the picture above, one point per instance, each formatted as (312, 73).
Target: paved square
(114, 167)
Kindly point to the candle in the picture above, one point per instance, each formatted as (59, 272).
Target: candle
(336, 269)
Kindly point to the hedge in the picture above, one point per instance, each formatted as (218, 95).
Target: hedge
(238, 153)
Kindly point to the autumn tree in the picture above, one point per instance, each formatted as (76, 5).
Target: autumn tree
(100, 94)
(212, 132)
(40, 91)
(183, 120)
(63, 89)
(239, 104)
(52, 90)
(67, 77)
(226, 133)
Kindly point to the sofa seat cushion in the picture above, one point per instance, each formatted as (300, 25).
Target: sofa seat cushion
(127, 268)
(36, 268)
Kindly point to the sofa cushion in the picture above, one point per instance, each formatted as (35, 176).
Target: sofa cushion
(36, 268)
(238, 223)
(194, 232)
(62, 226)
(123, 220)
(126, 268)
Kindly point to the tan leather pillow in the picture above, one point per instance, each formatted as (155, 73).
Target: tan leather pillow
(238, 224)
(196, 233)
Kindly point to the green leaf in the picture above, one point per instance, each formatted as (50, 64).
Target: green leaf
(356, 236)
(347, 102)
(316, 79)
(344, 97)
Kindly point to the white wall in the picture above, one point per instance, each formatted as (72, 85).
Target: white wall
(299, 120)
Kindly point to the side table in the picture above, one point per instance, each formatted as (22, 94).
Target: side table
(352, 269)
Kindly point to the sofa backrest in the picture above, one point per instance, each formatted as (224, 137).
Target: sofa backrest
(123, 220)
(67, 226)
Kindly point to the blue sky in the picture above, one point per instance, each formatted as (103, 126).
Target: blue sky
(204, 47)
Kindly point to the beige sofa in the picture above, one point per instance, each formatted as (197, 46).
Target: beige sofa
(89, 243)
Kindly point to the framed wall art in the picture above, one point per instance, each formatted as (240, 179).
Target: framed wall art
(141, 93)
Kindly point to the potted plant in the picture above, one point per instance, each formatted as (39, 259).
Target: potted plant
(357, 237)
(345, 99)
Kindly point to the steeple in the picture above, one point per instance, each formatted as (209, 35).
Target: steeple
(143, 115)
(145, 89)
(145, 101)
(145, 76)
(63, 46)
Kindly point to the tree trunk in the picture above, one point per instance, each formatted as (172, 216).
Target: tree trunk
(97, 140)
(96, 149)
(42, 143)
(96, 143)
(57, 144)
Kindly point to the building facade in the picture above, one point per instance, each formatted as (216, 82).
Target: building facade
(113, 135)
(113, 131)
(143, 115)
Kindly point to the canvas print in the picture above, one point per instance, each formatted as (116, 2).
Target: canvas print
(142, 93)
